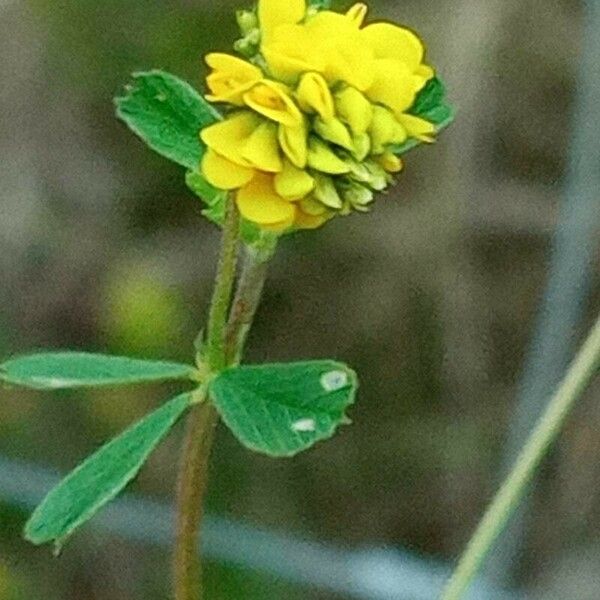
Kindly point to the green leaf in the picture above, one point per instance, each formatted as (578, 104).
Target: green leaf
(431, 96)
(61, 370)
(282, 409)
(430, 105)
(168, 114)
(102, 476)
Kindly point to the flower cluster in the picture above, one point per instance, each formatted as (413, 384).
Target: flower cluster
(315, 112)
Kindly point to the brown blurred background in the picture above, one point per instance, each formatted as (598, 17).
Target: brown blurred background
(432, 297)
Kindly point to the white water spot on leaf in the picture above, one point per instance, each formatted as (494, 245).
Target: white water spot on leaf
(53, 382)
(304, 425)
(334, 380)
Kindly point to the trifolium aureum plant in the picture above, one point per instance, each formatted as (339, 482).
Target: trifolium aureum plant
(305, 121)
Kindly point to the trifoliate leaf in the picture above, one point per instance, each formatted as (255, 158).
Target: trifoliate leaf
(61, 370)
(102, 476)
(168, 114)
(282, 409)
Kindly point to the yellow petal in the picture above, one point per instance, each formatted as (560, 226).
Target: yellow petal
(311, 206)
(280, 226)
(334, 131)
(231, 77)
(314, 96)
(393, 42)
(390, 162)
(425, 71)
(417, 128)
(259, 202)
(274, 13)
(422, 75)
(293, 183)
(393, 85)
(385, 129)
(354, 108)
(306, 221)
(229, 136)
(261, 149)
(223, 173)
(291, 51)
(347, 57)
(357, 14)
(293, 142)
(272, 100)
(322, 158)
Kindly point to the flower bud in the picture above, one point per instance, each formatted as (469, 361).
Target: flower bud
(353, 108)
(334, 131)
(383, 129)
(247, 21)
(314, 96)
(378, 179)
(362, 146)
(325, 191)
(249, 45)
(357, 196)
(322, 158)
(390, 162)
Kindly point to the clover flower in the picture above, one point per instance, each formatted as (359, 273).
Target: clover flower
(318, 105)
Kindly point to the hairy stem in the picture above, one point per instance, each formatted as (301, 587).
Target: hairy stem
(193, 470)
(582, 370)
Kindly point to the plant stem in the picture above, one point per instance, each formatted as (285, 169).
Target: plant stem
(578, 377)
(192, 484)
(246, 302)
(215, 354)
(201, 421)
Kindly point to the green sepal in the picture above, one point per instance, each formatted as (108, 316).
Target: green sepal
(167, 114)
(62, 370)
(102, 476)
(282, 409)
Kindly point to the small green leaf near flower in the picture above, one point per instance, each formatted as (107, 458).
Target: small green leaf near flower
(167, 114)
(101, 477)
(282, 409)
(62, 370)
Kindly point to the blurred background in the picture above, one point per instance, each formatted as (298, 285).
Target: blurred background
(448, 299)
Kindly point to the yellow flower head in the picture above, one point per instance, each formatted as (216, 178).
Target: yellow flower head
(319, 103)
